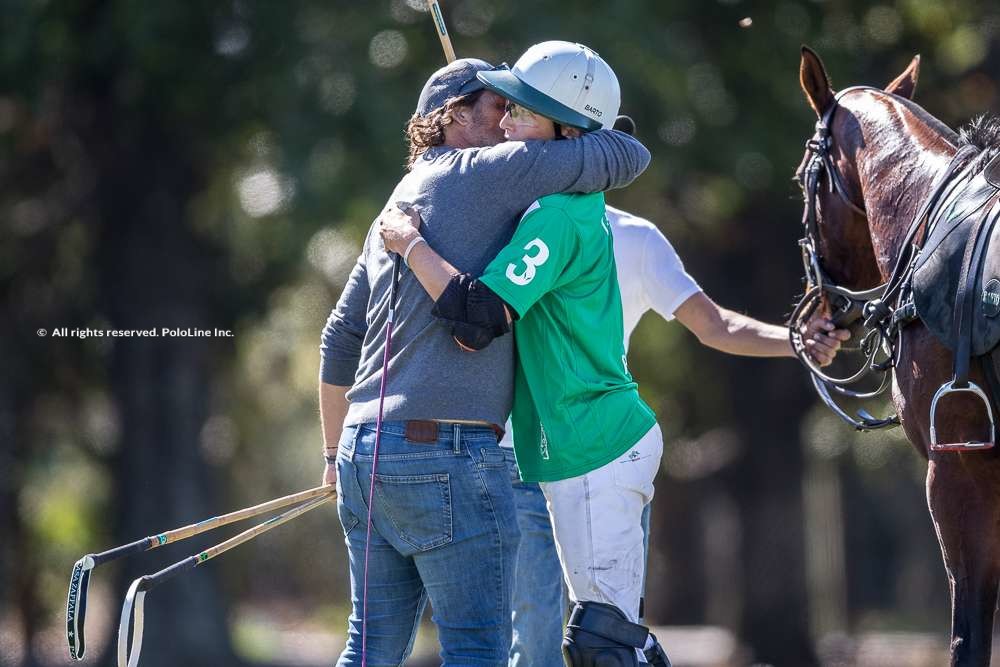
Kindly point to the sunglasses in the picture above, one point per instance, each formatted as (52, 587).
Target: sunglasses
(517, 111)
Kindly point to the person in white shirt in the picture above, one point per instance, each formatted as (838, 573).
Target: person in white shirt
(651, 276)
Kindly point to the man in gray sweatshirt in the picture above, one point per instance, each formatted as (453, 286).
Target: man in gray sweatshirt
(443, 522)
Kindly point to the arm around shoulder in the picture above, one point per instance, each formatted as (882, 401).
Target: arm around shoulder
(597, 161)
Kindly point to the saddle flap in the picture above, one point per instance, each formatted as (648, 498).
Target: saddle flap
(938, 273)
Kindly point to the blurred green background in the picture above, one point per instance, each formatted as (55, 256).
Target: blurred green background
(217, 164)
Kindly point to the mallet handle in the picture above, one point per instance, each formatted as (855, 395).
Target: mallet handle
(138, 546)
(273, 522)
(151, 580)
(442, 30)
(184, 532)
(239, 515)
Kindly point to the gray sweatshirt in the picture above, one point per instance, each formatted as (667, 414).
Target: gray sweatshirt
(470, 201)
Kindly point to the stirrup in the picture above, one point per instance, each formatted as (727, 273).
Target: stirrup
(972, 445)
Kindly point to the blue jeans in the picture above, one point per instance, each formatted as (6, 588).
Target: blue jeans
(540, 602)
(443, 529)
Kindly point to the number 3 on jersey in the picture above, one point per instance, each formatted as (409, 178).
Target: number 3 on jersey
(531, 263)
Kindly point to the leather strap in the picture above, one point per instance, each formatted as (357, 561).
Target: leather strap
(498, 431)
(421, 430)
(656, 656)
(426, 431)
(965, 298)
(607, 621)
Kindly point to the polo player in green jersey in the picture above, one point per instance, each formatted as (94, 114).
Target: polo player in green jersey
(580, 428)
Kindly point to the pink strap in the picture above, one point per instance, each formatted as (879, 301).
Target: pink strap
(371, 490)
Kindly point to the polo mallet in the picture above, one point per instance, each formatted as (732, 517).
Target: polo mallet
(442, 31)
(378, 440)
(133, 608)
(76, 601)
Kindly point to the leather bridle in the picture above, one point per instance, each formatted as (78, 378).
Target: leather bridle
(885, 309)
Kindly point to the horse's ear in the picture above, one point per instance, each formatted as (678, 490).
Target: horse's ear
(815, 82)
(906, 83)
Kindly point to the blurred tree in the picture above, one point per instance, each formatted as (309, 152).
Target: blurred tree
(215, 165)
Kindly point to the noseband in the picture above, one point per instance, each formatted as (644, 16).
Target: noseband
(885, 309)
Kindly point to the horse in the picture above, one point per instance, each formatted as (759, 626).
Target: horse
(883, 157)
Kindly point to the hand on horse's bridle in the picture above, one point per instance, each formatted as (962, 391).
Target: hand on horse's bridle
(822, 339)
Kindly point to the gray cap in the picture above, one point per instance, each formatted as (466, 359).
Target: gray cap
(452, 80)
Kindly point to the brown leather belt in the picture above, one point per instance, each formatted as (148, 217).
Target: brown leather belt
(426, 430)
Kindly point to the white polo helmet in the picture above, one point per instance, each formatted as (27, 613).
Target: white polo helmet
(565, 82)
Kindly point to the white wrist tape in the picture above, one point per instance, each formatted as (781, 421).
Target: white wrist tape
(409, 249)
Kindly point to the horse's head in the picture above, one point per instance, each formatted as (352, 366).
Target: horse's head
(866, 174)
(838, 243)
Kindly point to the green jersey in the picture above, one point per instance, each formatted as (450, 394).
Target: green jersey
(576, 406)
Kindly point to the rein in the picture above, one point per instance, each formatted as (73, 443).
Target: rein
(884, 309)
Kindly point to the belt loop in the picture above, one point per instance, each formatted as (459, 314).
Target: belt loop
(456, 436)
(354, 442)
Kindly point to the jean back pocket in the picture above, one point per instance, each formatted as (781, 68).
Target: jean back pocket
(418, 507)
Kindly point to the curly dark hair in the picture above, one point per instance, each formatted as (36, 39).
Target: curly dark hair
(422, 132)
